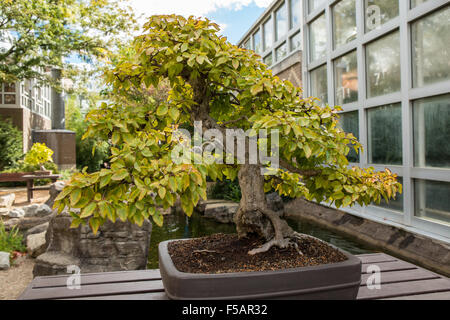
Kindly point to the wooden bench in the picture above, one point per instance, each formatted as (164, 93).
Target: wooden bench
(399, 280)
(30, 183)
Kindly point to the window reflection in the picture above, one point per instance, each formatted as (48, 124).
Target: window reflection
(346, 79)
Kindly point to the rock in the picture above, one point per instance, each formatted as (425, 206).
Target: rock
(55, 189)
(222, 212)
(43, 210)
(16, 213)
(4, 261)
(30, 211)
(274, 202)
(37, 229)
(36, 244)
(26, 223)
(6, 202)
(117, 246)
(9, 224)
(54, 263)
(201, 205)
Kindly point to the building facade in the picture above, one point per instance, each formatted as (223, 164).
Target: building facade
(27, 106)
(387, 63)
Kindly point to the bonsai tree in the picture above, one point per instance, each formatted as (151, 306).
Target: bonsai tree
(224, 87)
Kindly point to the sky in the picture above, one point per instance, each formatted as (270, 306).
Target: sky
(234, 17)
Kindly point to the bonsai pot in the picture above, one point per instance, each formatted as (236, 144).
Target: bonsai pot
(335, 281)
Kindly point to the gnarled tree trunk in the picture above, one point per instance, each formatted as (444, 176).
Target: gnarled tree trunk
(254, 216)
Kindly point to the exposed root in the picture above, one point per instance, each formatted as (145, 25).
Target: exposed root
(283, 243)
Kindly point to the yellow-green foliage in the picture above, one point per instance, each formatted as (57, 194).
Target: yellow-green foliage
(225, 86)
(38, 154)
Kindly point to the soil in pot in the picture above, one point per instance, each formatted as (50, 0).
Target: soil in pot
(222, 253)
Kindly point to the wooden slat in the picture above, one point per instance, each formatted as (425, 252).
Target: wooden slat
(377, 258)
(401, 276)
(399, 279)
(428, 296)
(98, 278)
(405, 289)
(95, 290)
(390, 266)
(138, 296)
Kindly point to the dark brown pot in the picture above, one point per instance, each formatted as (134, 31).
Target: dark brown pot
(336, 281)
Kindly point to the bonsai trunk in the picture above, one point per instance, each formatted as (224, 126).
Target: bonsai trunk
(254, 216)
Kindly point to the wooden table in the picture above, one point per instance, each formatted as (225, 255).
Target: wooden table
(399, 280)
(30, 183)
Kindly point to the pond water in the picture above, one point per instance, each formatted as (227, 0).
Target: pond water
(179, 226)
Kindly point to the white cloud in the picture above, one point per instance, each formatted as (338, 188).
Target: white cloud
(191, 7)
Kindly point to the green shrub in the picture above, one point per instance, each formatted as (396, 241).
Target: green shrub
(227, 190)
(38, 155)
(11, 240)
(11, 149)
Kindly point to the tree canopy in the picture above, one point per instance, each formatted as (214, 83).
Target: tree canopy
(225, 87)
(43, 33)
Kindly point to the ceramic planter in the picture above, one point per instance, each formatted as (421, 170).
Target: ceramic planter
(325, 282)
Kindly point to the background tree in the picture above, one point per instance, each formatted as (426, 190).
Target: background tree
(45, 33)
(92, 152)
(225, 87)
(11, 149)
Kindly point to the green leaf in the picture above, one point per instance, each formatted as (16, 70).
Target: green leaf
(162, 192)
(105, 180)
(122, 213)
(162, 110)
(75, 196)
(88, 210)
(347, 201)
(158, 218)
(120, 175)
(95, 224)
(174, 113)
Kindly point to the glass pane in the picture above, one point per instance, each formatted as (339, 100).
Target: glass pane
(10, 87)
(346, 79)
(385, 134)
(268, 34)
(432, 200)
(296, 41)
(295, 12)
(10, 98)
(314, 4)
(378, 12)
(393, 204)
(344, 22)
(281, 52)
(349, 122)
(318, 38)
(247, 45)
(415, 3)
(257, 42)
(383, 65)
(268, 60)
(319, 87)
(431, 52)
(432, 132)
(282, 21)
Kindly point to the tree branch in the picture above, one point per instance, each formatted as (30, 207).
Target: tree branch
(305, 173)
